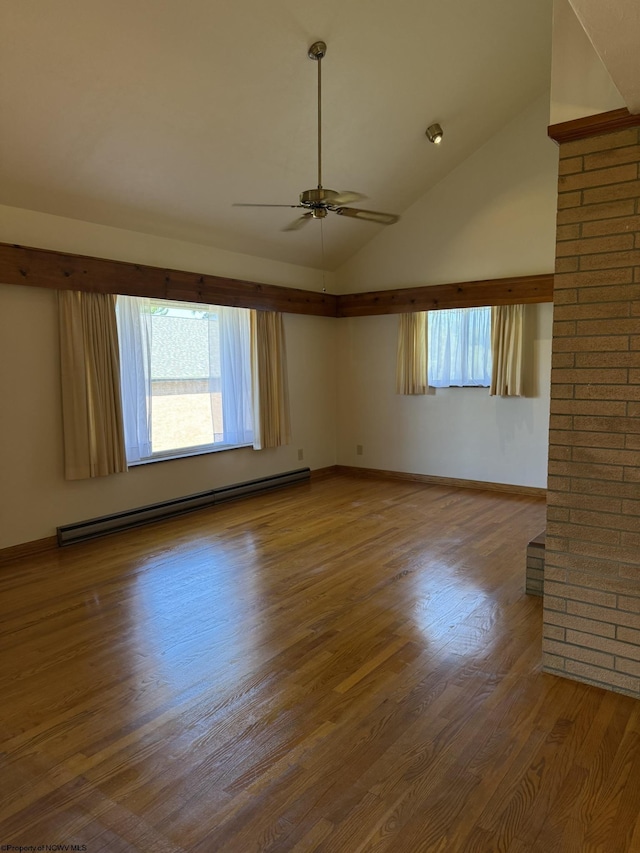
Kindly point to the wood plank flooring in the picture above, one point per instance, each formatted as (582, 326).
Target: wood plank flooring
(344, 666)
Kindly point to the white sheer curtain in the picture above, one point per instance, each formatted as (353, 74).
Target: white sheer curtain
(235, 374)
(134, 338)
(459, 347)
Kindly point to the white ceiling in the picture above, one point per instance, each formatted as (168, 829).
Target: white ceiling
(157, 115)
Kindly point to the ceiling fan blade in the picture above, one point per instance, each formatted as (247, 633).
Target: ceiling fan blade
(238, 204)
(298, 223)
(347, 197)
(368, 215)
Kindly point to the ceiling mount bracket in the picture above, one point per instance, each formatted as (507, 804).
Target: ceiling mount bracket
(317, 50)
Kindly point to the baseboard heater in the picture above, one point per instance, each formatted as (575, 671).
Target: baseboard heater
(119, 521)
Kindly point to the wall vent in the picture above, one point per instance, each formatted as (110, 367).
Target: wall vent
(119, 521)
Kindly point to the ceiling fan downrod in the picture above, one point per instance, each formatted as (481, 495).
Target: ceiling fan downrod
(317, 52)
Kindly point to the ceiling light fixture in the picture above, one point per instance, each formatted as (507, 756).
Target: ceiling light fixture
(434, 134)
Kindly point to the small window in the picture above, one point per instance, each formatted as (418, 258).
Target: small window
(459, 347)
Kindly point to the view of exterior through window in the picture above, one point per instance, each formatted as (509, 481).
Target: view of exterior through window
(185, 377)
(186, 409)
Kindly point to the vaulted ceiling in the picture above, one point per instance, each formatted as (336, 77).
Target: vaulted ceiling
(157, 115)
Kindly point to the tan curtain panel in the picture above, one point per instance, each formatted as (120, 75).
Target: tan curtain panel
(90, 373)
(507, 373)
(269, 387)
(411, 364)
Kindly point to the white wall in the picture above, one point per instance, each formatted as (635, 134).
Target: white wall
(494, 216)
(34, 497)
(451, 432)
(580, 83)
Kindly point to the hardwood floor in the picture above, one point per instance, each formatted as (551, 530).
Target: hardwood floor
(346, 665)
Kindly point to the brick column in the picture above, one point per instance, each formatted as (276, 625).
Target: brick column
(592, 554)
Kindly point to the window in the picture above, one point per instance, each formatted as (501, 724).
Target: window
(459, 347)
(186, 377)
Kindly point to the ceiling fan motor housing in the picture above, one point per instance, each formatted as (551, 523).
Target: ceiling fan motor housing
(318, 197)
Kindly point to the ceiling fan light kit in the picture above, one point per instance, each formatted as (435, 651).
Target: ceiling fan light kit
(434, 133)
(320, 201)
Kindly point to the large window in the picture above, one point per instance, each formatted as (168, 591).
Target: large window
(459, 347)
(186, 377)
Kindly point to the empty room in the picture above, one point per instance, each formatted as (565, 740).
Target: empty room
(319, 471)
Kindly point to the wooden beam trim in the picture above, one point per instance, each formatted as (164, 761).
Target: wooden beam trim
(464, 294)
(596, 125)
(63, 271)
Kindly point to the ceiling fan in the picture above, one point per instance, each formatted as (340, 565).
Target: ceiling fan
(320, 201)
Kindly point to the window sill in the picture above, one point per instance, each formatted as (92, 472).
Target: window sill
(185, 453)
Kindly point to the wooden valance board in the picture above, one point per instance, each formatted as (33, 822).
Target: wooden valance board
(62, 271)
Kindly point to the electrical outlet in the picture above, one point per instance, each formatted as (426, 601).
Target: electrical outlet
(358, 450)
(300, 455)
